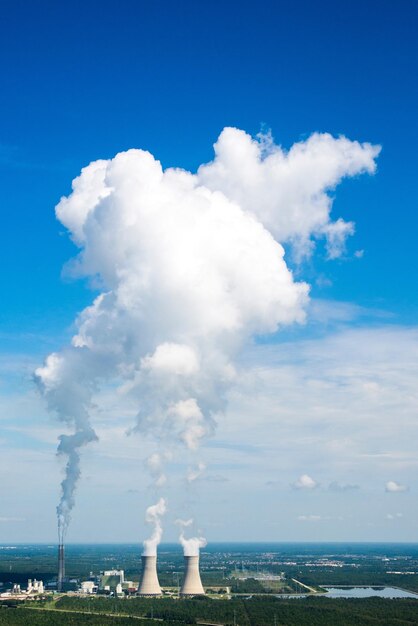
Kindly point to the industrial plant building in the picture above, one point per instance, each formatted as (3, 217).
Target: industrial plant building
(34, 588)
(113, 581)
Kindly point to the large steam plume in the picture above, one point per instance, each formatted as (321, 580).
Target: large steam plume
(189, 268)
(153, 516)
(191, 546)
(68, 393)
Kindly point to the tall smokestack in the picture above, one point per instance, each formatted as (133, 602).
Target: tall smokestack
(192, 585)
(61, 566)
(149, 585)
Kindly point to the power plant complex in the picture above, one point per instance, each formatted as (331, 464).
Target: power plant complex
(150, 586)
(113, 581)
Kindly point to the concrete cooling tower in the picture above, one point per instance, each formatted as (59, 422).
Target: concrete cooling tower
(149, 585)
(192, 585)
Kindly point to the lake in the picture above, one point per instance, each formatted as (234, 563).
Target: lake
(368, 592)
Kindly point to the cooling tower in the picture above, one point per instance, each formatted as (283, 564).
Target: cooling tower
(61, 567)
(192, 585)
(149, 585)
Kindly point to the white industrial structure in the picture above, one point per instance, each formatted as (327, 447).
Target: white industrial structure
(149, 585)
(192, 585)
(88, 586)
(115, 572)
(37, 586)
(110, 579)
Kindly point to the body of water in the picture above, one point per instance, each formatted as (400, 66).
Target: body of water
(368, 592)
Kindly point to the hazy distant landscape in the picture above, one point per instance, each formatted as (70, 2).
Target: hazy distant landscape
(313, 563)
(241, 581)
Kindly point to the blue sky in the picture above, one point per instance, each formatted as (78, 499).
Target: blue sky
(85, 80)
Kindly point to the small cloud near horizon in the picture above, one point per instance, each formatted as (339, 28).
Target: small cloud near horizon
(393, 487)
(305, 482)
(392, 516)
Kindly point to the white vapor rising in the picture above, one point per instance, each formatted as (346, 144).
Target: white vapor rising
(190, 267)
(154, 464)
(153, 516)
(193, 473)
(69, 393)
(191, 546)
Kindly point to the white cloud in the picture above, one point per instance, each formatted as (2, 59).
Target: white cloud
(193, 473)
(393, 516)
(323, 281)
(172, 358)
(288, 191)
(309, 518)
(328, 404)
(155, 463)
(341, 429)
(305, 482)
(324, 311)
(336, 234)
(393, 487)
(190, 268)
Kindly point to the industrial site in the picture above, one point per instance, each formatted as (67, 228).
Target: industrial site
(227, 584)
(114, 583)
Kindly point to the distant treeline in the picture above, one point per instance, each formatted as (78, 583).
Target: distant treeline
(29, 617)
(260, 611)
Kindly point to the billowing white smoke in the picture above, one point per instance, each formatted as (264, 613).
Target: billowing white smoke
(192, 545)
(190, 267)
(287, 191)
(68, 390)
(153, 516)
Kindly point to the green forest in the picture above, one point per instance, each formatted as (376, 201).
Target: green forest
(35, 617)
(260, 611)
